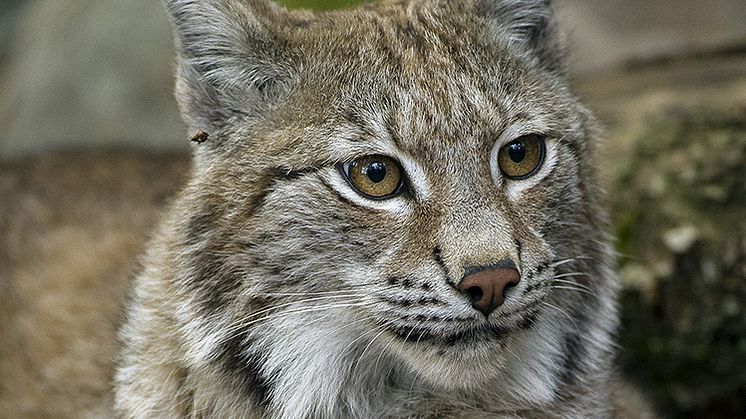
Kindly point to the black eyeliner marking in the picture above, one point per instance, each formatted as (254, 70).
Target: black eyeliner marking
(271, 177)
(294, 174)
(340, 196)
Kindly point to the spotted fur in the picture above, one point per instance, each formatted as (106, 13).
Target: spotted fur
(275, 290)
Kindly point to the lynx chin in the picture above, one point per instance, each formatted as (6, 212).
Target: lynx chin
(396, 214)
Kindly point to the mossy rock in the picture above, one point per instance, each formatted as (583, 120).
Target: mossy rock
(680, 216)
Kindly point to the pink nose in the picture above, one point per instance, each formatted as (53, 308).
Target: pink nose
(486, 287)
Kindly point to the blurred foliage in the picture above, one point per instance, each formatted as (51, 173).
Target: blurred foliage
(319, 4)
(680, 214)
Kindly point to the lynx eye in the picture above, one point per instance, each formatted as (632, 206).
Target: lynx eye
(376, 177)
(522, 158)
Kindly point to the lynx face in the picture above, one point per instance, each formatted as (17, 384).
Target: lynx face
(401, 194)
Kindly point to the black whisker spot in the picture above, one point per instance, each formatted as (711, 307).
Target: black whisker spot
(528, 321)
(540, 268)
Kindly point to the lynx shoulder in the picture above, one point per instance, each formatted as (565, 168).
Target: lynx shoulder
(397, 214)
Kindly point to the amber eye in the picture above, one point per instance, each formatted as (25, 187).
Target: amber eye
(523, 157)
(376, 177)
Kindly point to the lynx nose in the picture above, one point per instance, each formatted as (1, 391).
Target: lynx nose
(486, 285)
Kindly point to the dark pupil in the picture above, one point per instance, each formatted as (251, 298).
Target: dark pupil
(376, 172)
(517, 152)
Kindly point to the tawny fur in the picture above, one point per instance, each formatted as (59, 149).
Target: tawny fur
(274, 290)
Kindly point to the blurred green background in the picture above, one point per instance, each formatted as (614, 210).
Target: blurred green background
(86, 95)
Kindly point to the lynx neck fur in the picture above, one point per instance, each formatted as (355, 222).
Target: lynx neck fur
(396, 214)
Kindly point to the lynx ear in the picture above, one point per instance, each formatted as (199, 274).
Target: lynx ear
(231, 61)
(526, 23)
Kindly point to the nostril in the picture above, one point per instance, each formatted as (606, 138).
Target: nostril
(474, 293)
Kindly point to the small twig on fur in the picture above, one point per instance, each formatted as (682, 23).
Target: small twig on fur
(200, 137)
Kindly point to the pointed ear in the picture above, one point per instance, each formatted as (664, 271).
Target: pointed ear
(231, 59)
(528, 24)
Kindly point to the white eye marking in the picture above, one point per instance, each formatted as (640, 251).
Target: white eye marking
(398, 205)
(418, 184)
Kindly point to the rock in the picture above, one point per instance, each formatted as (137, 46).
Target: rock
(684, 270)
(89, 72)
(680, 239)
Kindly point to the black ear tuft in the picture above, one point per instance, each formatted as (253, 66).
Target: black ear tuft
(231, 59)
(526, 23)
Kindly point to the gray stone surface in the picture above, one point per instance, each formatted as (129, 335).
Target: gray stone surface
(89, 73)
(607, 33)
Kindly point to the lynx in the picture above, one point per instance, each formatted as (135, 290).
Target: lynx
(393, 212)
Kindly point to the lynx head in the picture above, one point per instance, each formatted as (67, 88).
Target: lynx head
(405, 189)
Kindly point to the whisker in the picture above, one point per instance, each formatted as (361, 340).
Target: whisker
(411, 388)
(561, 311)
(392, 339)
(336, 329)
(242, 325)
(560, 287)
(564, 275)
(362, 289)
(575, 284)
(296, 302)
(558, 262)
(383, 350)
(362, 354)
(362, 335)
(309, 294)
(507, 348)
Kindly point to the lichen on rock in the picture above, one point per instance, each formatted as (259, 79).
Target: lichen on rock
(679, 205)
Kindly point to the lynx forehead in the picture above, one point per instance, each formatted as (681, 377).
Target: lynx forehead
(396, 215)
